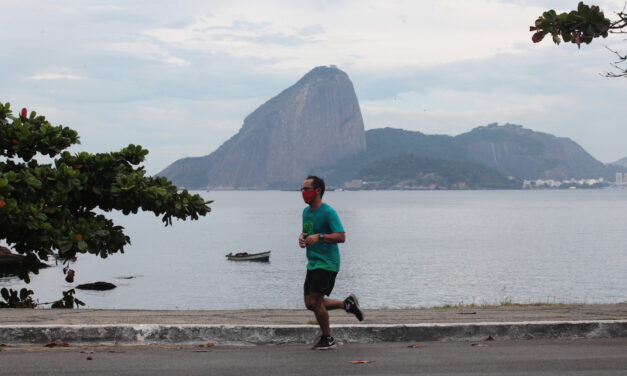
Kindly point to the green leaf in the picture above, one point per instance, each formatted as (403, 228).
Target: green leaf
(81, 245)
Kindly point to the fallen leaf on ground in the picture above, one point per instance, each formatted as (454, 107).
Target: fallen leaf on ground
(489, 338)
(86, 352)
(207, 345)
(416, 345)
(362, 361)
(54, 344)
(479, 345)
(89, 358)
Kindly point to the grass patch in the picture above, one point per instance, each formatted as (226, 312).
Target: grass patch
(505, 302)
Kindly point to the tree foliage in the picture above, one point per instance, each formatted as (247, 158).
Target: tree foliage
(579, 26)
(412, 171)
(14, 300)
(51, 209)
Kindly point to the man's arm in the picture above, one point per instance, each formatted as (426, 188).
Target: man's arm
(332, 238)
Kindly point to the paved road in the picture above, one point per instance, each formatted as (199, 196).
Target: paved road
(537, 357)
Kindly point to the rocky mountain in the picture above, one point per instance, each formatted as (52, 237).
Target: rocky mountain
(315, 122)
(621, 162)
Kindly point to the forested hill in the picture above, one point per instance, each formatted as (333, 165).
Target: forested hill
(413, 172)
(510, 151)
(517, 151)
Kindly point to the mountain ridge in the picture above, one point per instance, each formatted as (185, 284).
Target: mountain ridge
(514, 152)
(317, 121)
(621, 162)
(315, 127)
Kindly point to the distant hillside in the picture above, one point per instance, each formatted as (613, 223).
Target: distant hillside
(412, 172)
(315, 122)
(390, 142)
(517, 151)
(509, 150)
(620, 163)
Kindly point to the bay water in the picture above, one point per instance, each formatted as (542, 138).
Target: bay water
(403, 249)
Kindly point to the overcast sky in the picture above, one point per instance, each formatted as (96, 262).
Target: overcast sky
(179, 77)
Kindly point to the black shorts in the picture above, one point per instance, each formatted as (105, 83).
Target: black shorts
(319, 280)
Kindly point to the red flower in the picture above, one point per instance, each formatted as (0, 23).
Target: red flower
(14, 141)
(532, 28)
(24, 112)
(2, 203)
(78, 166)
(79, 237)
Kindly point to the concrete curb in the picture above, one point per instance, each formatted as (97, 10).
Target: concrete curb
(156, 334)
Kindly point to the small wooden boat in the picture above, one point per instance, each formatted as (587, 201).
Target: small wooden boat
(245, 256)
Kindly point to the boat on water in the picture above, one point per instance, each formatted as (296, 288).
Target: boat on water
(245, 256)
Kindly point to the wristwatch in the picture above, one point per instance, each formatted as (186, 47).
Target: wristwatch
(320, 236)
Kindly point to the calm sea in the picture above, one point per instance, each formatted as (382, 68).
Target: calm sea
(403, 249)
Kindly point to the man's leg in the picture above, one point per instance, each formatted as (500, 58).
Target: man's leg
(315, 302)
(331, 304)
(318, 284)
(318, 306)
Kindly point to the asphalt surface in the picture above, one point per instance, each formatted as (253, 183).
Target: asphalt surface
(537, 357)
(508, 313)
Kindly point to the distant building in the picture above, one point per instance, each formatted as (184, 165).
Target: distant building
(570, 183)
(619, 178)
(625, 178)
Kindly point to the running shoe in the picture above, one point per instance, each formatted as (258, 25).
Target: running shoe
(351, 305)
(325, 343)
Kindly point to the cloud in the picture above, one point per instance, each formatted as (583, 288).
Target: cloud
(55, 76)
(362, 34)
(145, 50)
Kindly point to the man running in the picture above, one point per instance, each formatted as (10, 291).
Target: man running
(322, 231)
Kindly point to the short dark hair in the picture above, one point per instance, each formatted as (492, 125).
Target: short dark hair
(318, 183)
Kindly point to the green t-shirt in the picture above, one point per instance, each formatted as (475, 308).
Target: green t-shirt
(323, 220)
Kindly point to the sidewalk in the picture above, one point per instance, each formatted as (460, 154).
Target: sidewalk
(28, 326)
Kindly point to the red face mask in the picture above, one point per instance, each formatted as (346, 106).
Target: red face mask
(308, 196)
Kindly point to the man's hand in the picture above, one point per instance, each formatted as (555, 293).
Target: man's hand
(312, 239)
(301, 240)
